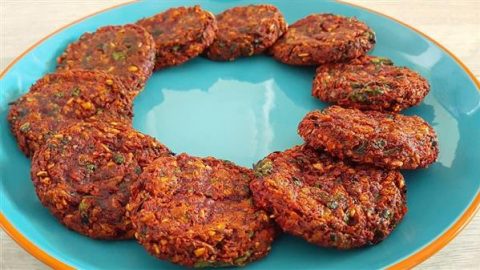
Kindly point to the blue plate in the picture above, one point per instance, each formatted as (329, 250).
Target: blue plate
(242, 111)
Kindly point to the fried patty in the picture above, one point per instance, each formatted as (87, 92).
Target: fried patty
(323, 38)
(127, 51)
(245, 31)
(83, 176)
(391, 141)
(329, 202)
(61, 99)
(369, 83)
(199, 212)
(180, 34)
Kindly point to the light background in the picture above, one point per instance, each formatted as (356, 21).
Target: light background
(455, 24)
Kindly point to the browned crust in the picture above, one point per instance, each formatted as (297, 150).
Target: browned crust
(83, 175)
(127, 51)
(323, 38)
(180, 34)
(199, 212)
(392, 141)
(329, 202)
(369, 83)
(246, 31)
(61, 99)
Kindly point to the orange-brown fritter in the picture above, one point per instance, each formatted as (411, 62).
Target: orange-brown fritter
(83, 176)
(391, 141)
(329, 202)
(245, 31)
(199, 212)
(127, 51)
(180, 34)
(323, 38)
(61, 99)
(369, 83)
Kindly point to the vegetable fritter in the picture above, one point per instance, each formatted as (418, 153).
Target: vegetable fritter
(127, 51)
(329, 202)
(61, 99)
(369, 83)
(83, 175)
(323, 38)
(391, 141)
(180, 34)
(245, 31)
(199, 212)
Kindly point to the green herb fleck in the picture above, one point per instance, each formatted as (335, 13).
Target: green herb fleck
(332, 205)
(25, 127)
(84, 205)
(243, 259)
(118, 158)
(176, 48)
(297, 181)
(371, 36)
(58, 94)
(118, 56)
(263, 167)
(363, 95)
(381, 61)
(76, 92)
(379, 144)
(138, 170)
(91, 167)
(360, 148)
(387, 214)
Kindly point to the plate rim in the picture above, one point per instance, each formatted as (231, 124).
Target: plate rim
(409, 262)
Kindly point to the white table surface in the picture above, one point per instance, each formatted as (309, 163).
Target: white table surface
(455, 24)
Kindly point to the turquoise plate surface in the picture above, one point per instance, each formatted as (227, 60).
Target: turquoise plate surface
(242, 111)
